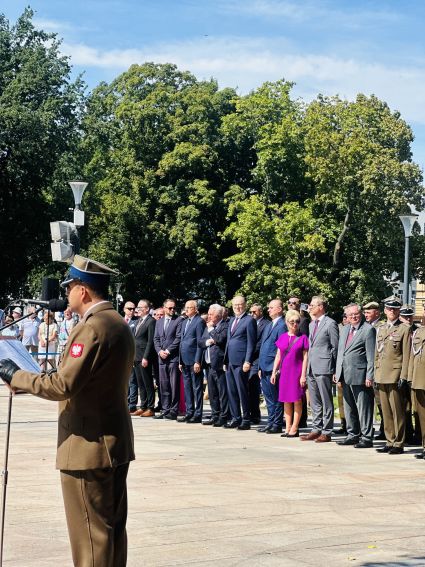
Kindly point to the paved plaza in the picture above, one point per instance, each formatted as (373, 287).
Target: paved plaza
(215, 497)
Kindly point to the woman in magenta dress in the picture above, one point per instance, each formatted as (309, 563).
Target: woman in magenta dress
(291, 359)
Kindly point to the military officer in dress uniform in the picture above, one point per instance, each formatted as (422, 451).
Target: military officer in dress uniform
(391, 369)
(95, 436)
(417, 379)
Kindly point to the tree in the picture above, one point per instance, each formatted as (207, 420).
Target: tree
(39, 111)
(153, 155)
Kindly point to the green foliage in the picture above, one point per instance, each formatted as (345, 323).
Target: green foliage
(196, 191)
(39, 109)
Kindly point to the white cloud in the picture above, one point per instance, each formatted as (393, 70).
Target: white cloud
(246, 64)
(51, 25)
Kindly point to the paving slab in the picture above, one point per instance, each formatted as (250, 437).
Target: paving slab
(207, 496)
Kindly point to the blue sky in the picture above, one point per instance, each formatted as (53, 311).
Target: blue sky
(328, 46)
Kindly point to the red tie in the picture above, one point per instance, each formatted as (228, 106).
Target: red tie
(350, 337)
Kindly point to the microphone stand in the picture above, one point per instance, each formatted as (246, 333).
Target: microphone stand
(5, 472)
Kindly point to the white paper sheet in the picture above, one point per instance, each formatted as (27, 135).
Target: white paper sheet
(15, 350)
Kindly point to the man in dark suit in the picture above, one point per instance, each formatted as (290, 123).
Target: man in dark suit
(354, 369)
(190, 363)
(323, 351)
(254, 389)
(144, 331)
(213, 342)
(167, 342)
(267, 356)
(239, 354)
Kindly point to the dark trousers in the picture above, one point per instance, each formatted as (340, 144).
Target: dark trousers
(274, 407)
(145, 384)
(237, 390)
(133, 391)
(217, 392)
(193, 391)
(254, 391)
(169, 380)
(155, 374)
(358, 409)
(96, 514)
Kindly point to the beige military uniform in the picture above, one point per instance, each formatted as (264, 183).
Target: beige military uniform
(416, 376)
(95, 435)
(391, 365)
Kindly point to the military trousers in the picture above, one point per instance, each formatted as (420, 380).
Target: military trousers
(394, 413)
(419, 399)
(96, 514)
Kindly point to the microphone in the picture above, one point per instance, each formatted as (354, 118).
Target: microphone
(52, 304)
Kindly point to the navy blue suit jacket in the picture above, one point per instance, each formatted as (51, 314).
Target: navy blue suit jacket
(241, 344)
(261, 327)
(190, 352)
(268, 347)
(219, 334)
(168, 341)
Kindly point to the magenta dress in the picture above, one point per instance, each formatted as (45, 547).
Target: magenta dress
(291, 367)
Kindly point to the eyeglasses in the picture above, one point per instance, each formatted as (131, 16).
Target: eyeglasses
(170, 308)
(130, 308)
(294, 321)
(292, 302)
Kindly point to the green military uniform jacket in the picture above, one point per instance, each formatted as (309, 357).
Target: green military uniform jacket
(392, 353)
(91, 385)
(417, 360)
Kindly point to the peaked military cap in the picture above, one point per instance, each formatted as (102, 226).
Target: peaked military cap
(371, 305)
(392, 301)
(89, 272)
(407, 311)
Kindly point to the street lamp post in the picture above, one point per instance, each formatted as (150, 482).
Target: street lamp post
(407, 221)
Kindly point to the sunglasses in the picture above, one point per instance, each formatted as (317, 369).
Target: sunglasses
(294, 321)
(130, 308)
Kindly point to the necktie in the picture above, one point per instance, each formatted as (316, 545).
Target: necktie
(316, 326)
(350, 337)
(234, 325)
(167, 320)
(187, 326)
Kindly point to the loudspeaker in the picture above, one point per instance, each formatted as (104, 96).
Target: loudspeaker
(50, 289)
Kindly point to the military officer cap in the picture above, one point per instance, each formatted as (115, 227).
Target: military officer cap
(406, 311)
(89, 272)
(371, 305)
(392, 302)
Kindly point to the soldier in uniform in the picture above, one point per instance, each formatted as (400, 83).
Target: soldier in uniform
(391, 368)
(95, 436)
(417, 380)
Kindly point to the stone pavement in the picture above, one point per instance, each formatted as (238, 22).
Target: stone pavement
(214, 497)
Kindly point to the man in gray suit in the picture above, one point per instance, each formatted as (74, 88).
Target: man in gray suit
(321, 367)
(354, 369)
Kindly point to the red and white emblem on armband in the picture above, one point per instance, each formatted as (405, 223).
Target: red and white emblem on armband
(76, 350)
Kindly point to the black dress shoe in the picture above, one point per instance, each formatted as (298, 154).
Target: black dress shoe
(363, 445)
(274, 430)
(348, 441)
(170, 416)
(284, 434)
(209, 422)
(184, 418)
(264, 429)
(156, 409)
(292, 435)
(384, 449)
(396, 451)
(195, 420)
(420, 456)
(244, 426)
(381, 436)
(255, 421)
(231, 424)
(340, 431)
(220, 423)
(160, 416)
